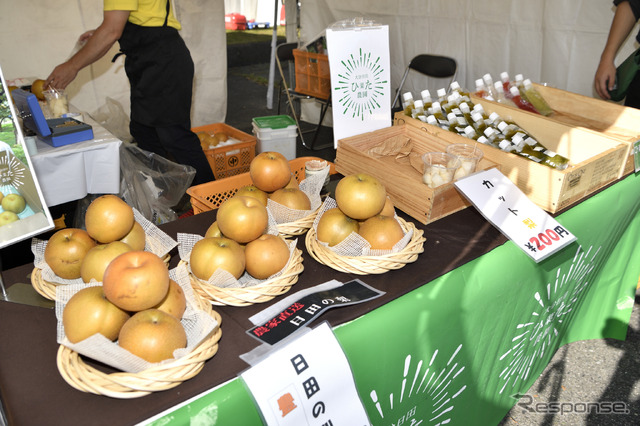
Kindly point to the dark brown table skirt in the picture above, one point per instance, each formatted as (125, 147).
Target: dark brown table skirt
(34, 393)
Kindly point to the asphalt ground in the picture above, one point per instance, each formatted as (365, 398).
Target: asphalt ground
(595, 371)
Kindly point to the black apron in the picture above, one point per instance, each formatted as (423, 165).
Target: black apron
(160, 71)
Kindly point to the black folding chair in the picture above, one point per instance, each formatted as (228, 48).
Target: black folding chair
(284, 56)
(430, 65)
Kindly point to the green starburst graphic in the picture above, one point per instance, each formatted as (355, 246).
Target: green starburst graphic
(360, 85)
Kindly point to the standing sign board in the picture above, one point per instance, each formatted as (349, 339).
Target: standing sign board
(360, 78)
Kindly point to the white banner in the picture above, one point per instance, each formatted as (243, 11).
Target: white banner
(360, 87)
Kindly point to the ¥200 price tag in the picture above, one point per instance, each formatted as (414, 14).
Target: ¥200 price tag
(503, 204)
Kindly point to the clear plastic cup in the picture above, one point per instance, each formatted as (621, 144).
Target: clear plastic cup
(57, 102)
(439, 168)
(469, 156)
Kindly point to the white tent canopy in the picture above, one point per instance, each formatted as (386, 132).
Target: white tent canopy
(557, 42)
(35, 36)
(551, 41)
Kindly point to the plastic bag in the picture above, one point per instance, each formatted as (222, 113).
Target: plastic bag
(112, 117)
(151, 183)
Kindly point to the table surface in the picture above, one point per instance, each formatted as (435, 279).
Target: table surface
(28, 372)
(70, 172)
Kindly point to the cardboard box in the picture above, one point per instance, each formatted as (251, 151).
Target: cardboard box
(402, 181)
(231, 158)
(596, 159)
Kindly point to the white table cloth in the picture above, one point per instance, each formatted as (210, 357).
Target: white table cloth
(70, 172)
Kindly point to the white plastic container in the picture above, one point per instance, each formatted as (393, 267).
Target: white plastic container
(276, 133)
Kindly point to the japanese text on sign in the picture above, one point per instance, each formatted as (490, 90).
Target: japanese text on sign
(303, 311)
(518, 218)
(307, 382)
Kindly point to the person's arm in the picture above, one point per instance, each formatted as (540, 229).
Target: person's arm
(98, 44)
(623, 22)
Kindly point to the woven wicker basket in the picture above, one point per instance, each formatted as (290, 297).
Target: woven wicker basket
(48, 289)
(121, 385)
(365, 265)
(297, 227)
(246, 296)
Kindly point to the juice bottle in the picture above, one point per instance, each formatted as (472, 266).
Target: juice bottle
(441, 94)
(478, 122)
(506, 83)
(508, 129)
(493, 136)
(535, 98)
(436, 110)
(520, 102)
(488, 81)
(466, 111)
(470, 132)
(407, 103)
(418, 109)
(481, 90)
(455, 88)
(426, 98)
(493, 119)
(431, 119)
(500, 96)
(537, 152)
(456, 123)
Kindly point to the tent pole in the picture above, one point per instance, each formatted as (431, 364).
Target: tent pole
(272, 63)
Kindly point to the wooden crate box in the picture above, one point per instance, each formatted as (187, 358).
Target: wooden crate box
(610, 118)
(596, 159)
(402, 181)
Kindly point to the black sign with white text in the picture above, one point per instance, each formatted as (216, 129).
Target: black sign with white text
(302, 312)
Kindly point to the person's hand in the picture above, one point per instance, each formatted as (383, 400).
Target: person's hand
(86, 36)
(605, 78)
(61, 76)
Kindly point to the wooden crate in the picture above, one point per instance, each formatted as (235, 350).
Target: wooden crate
(610, 118)
(402, 181)
(596, 159)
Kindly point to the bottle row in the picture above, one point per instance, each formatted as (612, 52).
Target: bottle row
(454, 111)
(520, 93)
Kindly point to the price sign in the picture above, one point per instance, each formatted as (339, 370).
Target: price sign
(307, 382)
(636, 155)
(504, 205)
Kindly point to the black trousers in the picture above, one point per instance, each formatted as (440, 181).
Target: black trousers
(176, 143)
(160, 71)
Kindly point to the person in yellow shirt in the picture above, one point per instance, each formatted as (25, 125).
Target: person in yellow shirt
(160, 70)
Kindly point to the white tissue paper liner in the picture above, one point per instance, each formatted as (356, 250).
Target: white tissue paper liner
(312, 186)
(354, 244)
(220, 277)
(197, 323)
(156, 241)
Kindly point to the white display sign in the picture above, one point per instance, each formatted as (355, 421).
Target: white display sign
(503, 204)
(307, 382)
(360, 79)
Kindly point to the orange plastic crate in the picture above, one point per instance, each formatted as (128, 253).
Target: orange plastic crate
(312, 74)
(232, 159)
(209, 196)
